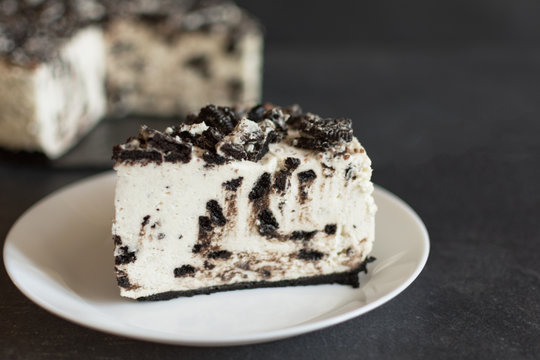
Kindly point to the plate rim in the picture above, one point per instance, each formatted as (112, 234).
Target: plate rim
(239, 339)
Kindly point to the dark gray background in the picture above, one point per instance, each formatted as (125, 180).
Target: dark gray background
(445, 96)
(398, 23)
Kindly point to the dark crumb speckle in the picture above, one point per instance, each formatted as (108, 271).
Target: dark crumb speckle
(208, 265)
(117, 240)
(267, 223)
(145, 220)
(302, 235)
(363, 266)
(205, 225)
(125, 256)
(200, 64)
(291, 163)
(281, 180)
(216, 213)
(261, 187)
(330, 229)
(304, 254)
(161, 236)
(233, 184)
(236, 87)
(348, 172)
(266, 274)
(243, 265)
(328, 170)
(123, 281)
(197, 248)
(219, 254)
(184, 270)
(306, 176)
(231, 46)
(213, 158)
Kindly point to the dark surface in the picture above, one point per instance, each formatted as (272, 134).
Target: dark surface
(453, 130)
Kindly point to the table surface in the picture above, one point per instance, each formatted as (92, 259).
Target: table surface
(452, 132)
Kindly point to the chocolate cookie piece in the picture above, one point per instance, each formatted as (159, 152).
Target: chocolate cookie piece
(249, 140)
(184, 270)
(302, 235)
(313, 255)
(330, 229)
(329, 129)
(221, 118)
(233, 184)
(219, 254)
(261, 187)
(216, 213)
(125, 256)
(318, 133)
(267, 222)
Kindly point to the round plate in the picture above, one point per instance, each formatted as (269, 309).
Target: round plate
(59, 254)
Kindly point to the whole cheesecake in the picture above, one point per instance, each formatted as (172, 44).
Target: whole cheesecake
(236, 199)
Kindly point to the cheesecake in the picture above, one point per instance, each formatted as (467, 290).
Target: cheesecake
(65, 65)
(173, 57)
(52, 76)
(240, 198)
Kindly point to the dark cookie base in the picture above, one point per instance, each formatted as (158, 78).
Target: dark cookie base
(344, 278)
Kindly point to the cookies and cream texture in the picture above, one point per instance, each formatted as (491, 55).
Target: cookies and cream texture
(234, 199)
(65, 64)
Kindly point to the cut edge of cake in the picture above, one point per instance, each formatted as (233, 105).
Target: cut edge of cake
(57, 101)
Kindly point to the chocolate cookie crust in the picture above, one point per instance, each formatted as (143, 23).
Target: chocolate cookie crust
(344, 278)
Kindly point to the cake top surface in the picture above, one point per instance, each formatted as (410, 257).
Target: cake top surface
(31, 30)
(225, 134)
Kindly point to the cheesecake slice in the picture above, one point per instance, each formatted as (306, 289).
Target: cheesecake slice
(52, 76)
(65, 64)
(236, 199)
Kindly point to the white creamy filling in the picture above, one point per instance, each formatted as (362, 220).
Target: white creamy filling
(70, 92)
(150, 73)
(174, 196)
(49, 107)
(18, 127)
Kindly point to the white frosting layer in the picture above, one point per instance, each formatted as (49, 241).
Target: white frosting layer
(174, 196)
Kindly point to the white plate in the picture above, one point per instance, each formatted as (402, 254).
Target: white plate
(59, 254)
